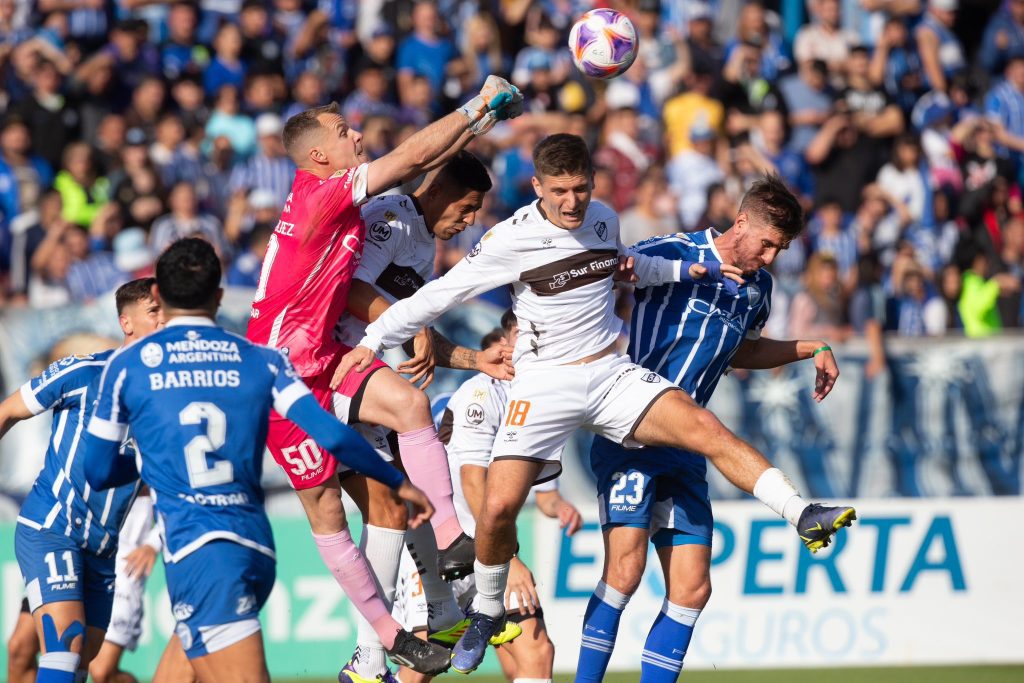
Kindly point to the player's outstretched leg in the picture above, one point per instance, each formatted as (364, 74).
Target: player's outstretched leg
(391, 401)
(174, 666)
(676, 420)
(508, 483)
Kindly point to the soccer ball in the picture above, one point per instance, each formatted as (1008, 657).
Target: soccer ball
(603, 43)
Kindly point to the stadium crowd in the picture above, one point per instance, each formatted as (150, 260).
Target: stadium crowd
(127, 124)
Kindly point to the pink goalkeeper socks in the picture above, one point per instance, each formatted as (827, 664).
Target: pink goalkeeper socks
(352, 573)
(426, 461)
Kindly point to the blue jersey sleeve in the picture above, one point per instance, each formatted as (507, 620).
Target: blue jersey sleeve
(105, 465)
(293, 399)
(109, 419)
(47, 390)
(765, 284)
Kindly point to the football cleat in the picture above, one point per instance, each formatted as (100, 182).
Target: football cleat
(470, 650)
(818, 523)
(349, 675)
(426, 658)
(448, 637)
(456, 560)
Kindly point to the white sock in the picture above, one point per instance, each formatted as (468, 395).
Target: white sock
(774, 489)
(491, 580)
(442, 609)
(383, 550)
(610, 596)
(687, 616)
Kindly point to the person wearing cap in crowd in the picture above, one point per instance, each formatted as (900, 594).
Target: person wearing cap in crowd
(942, 55)
(706, 53)
(270, 168)
(692, 171)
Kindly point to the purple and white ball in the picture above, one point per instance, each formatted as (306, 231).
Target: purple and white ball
(603, 43)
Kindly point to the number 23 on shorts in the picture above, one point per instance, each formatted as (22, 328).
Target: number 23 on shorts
(516, 416)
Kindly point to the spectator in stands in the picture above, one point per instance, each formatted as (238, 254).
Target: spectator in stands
(270, 168)
(1004, 36)
(874, 113)
(829, 235)
(902, 178)
(308, 93)
(819, 311)
(705, 53)
(261, 40)
(1004, 104)
(1011, 262)
(425, 52)
(481, 51)
(769, 140)
(841, 163)
(824, 39)
(942, 54)
(53, 125)
(917, 311)
(753, 29)
(227, 121)
(147, 103)
(189, 106)
(23, 176)
(980, 292)
(692, 172)
(49, 261)
(83, 191)
(179, 53)
(694, 106)
(867, 312)
(654, 212)
(745, 93)
(808, 101)
(620, 150)
(896, 66)
(226, 67)
(721, 209)
(185, 220)
(370, 98)
(245, 271)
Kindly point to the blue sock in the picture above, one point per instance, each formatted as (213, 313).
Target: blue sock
(600, 625)
(57, 667)
(662, 659)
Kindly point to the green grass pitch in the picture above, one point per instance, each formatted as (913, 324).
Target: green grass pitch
(946, 674)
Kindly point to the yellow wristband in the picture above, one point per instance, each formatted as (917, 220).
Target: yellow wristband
(818, 350)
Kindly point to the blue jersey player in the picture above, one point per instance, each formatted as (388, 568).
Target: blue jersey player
(690, 334)
(66, 537)
(197, 400)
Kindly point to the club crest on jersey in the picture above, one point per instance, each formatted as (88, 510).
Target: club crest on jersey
(380, 231)
(152, 355)
(601, 228)
(753, 294)
(475, 251)
(474, 413)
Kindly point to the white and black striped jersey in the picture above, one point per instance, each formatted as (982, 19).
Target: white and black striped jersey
(398, 255)
(561, 284)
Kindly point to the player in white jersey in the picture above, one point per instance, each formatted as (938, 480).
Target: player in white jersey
(560, 254)
(398, 258)
(470, 421)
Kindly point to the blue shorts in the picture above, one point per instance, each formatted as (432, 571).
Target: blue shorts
(216, 595)
(664, 490)
(56, 569)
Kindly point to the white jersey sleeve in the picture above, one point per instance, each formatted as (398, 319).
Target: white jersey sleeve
(652, 270)
(493, 262)
(476, 412)
(385, 237)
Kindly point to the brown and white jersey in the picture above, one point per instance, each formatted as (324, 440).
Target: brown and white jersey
(561, 281)
(398, 257)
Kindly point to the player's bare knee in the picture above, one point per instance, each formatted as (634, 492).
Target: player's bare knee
(694, 594)
(21, 651)
(388, 513)
(500, 513)
(625, 572)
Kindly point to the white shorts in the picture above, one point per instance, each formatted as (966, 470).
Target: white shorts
(609, 396)
(126, 613)
(380, 438)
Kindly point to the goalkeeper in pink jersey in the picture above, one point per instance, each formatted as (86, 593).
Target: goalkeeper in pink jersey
(303, 289)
